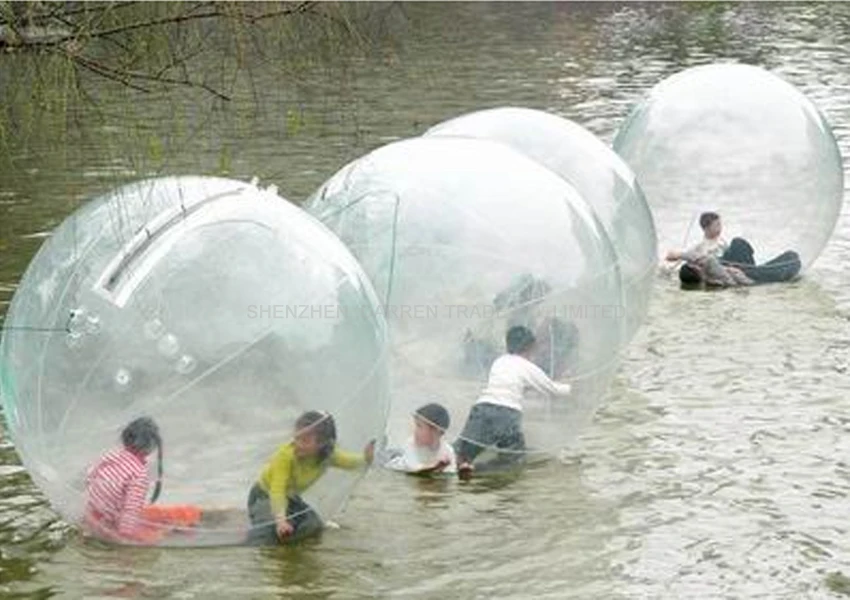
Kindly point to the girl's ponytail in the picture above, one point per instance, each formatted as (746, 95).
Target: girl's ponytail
(157, 488)
(142, 435)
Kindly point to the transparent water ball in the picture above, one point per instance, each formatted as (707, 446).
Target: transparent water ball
(600, 176)
(192, 280)
(736, 140)
(464, 238)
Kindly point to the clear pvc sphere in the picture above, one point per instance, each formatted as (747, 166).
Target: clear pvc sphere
(736, 140)
(462, 239)
(599, 175)
(216, 308)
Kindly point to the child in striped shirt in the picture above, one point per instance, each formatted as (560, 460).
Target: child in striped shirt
(117, 486)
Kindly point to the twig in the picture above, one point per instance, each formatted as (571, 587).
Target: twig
(173, 20)
(93, 9)
(104, 72)
(156, 22)
(186, 81)
(125, 77)
(188, 16)
(182, 60)
(302, 7)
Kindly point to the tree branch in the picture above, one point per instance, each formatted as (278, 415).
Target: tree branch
(300, 8)
(125, 77)
(185, 81)
(91, 10)
(156, 23)
(104, 71)
(74, 33)
(190, 15)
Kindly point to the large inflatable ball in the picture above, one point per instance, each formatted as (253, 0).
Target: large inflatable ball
(463, 240)
(601, 177)
(215, 309)
(741, 142)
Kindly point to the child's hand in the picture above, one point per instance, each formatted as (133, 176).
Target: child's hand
(369, 452)
(284, 528)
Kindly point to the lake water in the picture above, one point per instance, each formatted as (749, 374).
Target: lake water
(719, 467)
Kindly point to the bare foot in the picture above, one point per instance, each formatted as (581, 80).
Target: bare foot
(464, 471)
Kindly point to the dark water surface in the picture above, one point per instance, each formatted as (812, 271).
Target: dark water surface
(720, 464)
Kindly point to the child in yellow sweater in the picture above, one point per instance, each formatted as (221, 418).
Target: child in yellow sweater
(277, 512)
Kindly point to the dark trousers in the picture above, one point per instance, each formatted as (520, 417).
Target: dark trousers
(490, 425)
(740, 254)
(263, 531)
(781, 268)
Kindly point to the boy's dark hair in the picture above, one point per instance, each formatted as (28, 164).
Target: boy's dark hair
(707, 218)
(519, 339)
(322, 424)
(435, 414)
(142, 435)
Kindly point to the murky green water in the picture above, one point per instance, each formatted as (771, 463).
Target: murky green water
(719, 466)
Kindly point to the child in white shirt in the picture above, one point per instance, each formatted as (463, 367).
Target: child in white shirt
(426, 451)
(496, 417)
